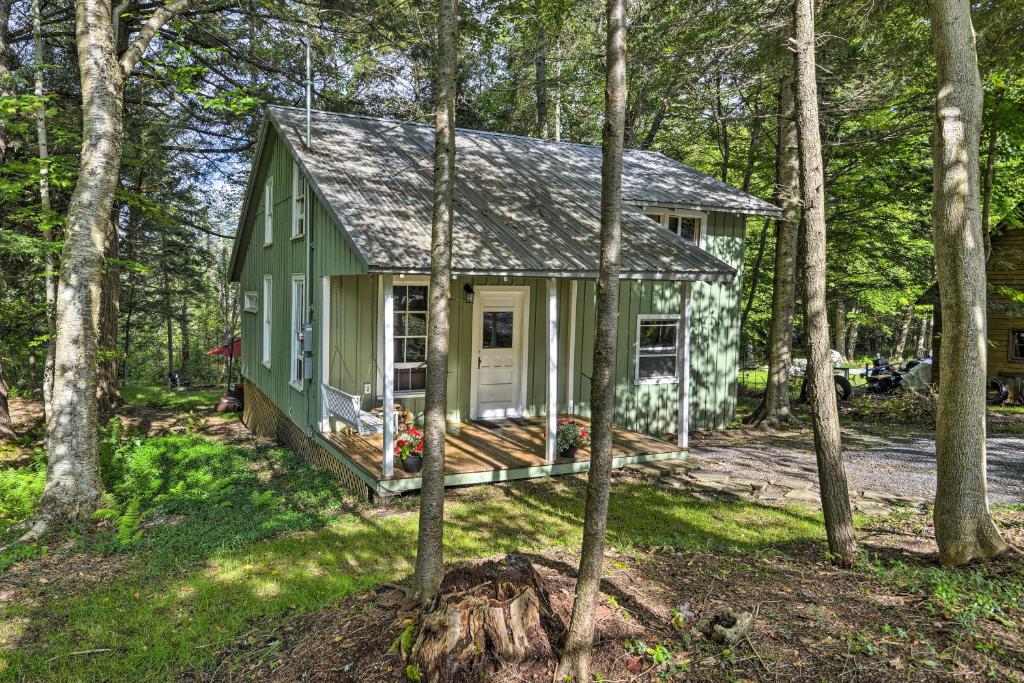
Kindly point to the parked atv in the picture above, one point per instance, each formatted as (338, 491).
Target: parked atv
(883, 377)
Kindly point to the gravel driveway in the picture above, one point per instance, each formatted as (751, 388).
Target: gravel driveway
(903, 466)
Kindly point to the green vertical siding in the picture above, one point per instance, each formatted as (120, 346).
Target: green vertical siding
(286, 256)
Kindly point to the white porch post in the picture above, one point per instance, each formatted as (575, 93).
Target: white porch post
(325, 346)
(389, 375)
(570, 360)
(684, 368)
(552, 409)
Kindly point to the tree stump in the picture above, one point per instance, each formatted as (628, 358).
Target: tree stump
(488, 614)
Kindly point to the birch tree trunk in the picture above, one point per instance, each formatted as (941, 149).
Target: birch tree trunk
(49, 263)
(964, 529)
(775, 408)
(430, 546)
(73, 484)
(835, 499)
(576, 655)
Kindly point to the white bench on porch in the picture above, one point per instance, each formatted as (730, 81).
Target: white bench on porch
(346, 407)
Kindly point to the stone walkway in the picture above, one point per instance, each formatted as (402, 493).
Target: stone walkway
(689, 476)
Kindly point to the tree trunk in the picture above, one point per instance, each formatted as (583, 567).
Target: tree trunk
(835, 499)
(558, 94)
(724, 143)
(430, 546)
(185, 340)
(50, 277)
(576, 655)
(6, 425)
(964, 529)
(6, 78)
(541, 83)
(901, 341)
(851, 335)
(775, 407)
(108, 389)
(73, 483)
(839, 328)
(990, 175)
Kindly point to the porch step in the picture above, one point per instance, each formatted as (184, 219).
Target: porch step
(660, 469)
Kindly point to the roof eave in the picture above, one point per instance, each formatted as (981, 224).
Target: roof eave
(234, 266)
(673, 276)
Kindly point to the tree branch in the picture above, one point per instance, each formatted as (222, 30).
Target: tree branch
(156, 20)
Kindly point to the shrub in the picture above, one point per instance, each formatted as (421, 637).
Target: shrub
(21, 489)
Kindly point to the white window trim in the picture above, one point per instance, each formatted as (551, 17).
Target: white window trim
(647, 317)
(246, 307)
(298, 317)
(399, 281)
(268, 211)
(665, 212)
(268, 319)
(298, 205)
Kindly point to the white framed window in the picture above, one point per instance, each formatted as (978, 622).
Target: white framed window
(268, 211)
(410, 337)
(298, 322)
(250, 302)
(657, 349)
(298, 202)
(688, 224)
(268, 292)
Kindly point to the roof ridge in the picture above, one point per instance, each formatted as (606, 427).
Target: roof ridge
(475, 131)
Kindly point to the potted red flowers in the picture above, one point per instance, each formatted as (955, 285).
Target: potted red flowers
(409, 449)
(570, 437)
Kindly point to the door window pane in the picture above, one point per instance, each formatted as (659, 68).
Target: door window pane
(497, 329)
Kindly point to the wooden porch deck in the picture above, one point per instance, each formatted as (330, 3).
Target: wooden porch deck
(478, 451)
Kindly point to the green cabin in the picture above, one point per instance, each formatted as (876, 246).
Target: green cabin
(333, 257)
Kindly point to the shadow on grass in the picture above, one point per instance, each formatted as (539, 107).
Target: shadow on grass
(197, 584)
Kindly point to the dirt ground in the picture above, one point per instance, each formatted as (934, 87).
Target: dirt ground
(812, 622)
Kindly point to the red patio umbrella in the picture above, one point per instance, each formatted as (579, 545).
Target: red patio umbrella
(232, 349)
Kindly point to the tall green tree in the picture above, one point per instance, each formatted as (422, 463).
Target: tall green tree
(430, 545)
(835, 498)
(577, 651)
(964, 528)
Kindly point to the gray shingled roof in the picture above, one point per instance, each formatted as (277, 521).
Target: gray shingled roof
(522, 206)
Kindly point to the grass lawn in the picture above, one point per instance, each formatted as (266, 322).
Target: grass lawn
(177, 399)
(202, 544)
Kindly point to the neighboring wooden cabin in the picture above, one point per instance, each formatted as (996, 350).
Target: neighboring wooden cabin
(337, 237)
(1005, 277)
(1005, 274)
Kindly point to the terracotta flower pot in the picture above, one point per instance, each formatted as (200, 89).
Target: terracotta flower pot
(412, 463)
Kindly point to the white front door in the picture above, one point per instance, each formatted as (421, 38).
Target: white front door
(499, 329)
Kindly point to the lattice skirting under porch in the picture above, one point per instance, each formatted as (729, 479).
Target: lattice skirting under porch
(263, 418)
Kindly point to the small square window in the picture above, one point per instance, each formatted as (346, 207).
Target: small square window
(250, 302)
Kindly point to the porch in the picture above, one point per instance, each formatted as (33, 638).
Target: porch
(490, 451)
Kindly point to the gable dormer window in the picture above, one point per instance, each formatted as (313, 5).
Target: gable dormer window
(687, 224)
(268, 212)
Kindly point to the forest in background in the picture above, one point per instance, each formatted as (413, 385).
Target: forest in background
(703, 88)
